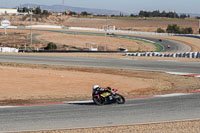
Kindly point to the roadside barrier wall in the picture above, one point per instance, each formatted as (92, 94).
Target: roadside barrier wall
(173, 55)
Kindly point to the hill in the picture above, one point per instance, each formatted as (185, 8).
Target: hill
(59, 8)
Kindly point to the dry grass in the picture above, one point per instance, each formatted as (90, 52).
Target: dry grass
(137, 24)
(71, 41)
(81, 41)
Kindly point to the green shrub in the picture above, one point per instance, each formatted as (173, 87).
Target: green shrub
(51, 46)
(174, 28)
(160, 30)
(187, 31)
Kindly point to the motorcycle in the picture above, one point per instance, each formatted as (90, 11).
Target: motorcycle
(109, 96)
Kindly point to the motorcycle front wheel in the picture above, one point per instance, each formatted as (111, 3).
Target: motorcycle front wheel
(120, 99)
(99, 101)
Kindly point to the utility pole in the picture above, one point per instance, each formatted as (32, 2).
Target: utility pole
(199, 26)
(31, 33)
(63, 8)
(105, 38)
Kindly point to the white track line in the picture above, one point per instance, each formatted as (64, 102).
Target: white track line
(178, 73)
(3, 107)
(172, 95)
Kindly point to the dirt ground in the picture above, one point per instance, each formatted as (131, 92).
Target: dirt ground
(81, 41)
(136, 24)
(29, 84)
(168, 127)
(72, 40)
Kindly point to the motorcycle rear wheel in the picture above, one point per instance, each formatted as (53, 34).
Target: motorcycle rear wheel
(120, 99)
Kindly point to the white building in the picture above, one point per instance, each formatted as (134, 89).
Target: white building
(8, 50)
(9, 11)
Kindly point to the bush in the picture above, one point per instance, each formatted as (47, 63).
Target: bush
(160, 30)
(174, 28)
(187, 31)
(51, 46)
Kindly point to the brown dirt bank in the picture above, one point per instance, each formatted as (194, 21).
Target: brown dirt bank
(30, 84)
(168, 127)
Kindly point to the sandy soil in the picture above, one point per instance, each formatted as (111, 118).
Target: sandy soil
(73, 40)
(173, 127)
(28, 84)
(81, 41)
(136, 24)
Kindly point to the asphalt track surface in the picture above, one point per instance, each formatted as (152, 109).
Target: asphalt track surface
(81, 115)
(130, 64)
(174, 46)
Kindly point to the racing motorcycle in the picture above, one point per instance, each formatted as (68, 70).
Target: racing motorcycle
(109, 96)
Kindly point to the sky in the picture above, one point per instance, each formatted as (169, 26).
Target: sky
(128, 6)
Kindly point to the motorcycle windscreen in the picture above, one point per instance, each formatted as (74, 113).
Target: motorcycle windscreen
(105, 94)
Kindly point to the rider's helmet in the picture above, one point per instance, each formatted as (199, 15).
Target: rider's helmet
(95, 87)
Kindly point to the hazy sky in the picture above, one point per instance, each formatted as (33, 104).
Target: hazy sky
(129, 6)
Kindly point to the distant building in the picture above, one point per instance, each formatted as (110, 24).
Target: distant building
(8, 50)
(9, 11)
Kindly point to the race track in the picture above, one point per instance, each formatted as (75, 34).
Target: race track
(175, 46)
(86, 114)
(82, 115)
(131, 64)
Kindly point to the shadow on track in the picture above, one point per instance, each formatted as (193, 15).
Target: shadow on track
(83, 103)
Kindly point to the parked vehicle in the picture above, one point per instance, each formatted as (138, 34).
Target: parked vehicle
(109, 96)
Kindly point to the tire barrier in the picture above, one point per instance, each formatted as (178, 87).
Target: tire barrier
(173, 55)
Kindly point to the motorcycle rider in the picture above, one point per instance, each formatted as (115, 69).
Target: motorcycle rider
(98, 90)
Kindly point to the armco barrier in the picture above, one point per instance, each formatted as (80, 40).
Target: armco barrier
(173, 55)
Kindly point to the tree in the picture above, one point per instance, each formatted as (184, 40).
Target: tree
(174, 28)
(45, 12)
(84, 13)
(183, 16)
(25, 9)
(51, 46)
(72, 13)
(160, 30)
(38, 10)
(187, 31)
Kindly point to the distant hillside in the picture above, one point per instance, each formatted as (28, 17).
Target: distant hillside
(59, 8)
